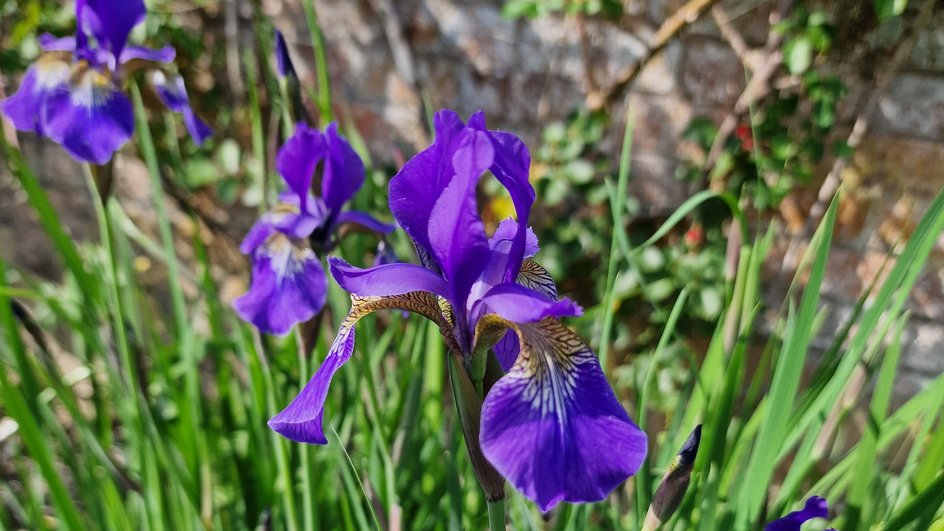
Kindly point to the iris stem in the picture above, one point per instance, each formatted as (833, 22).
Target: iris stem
(496, 515)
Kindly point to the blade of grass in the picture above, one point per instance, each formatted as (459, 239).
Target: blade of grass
(858, 506)
(617, 210)
(786, 378)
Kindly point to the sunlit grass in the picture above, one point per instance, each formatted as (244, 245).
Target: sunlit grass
(160, 421)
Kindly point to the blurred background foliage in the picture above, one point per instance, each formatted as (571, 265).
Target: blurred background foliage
(149, 424)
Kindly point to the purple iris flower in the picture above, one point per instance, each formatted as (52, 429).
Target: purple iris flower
(73, 92)
(288, 282)
(815, 507)
(551, 424)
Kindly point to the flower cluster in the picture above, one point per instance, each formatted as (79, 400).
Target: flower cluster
(73, 93)
(288, 283)
(549, 421)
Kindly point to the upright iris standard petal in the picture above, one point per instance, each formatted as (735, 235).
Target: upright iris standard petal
(416, 187)
(288, 286)
(27, 107)
(512, 168)
(92, 120)
(552, 425)
(507, 231)
(456, 233)
(343, 171)
(111, 21)
(297, 161)
(174, 95)
(815, 507)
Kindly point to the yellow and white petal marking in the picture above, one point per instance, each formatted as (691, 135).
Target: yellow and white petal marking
(288, 257)
(90, 87)
(546, 366)
(52, 70)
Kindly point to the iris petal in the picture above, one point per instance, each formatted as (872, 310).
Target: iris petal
(456, 233)
(815, 507)
(365, 220)
(532, 275)
(174, 95)
(92, 120)
(297, 160)
(511, 167)
(51, 43)
(288, 286)
(553, 426)
(519, 304)
(302, 420)
(110, 21)
(507, 231)
(416, 187)
(27, 107)
(343, 171)
(155, 55)
(385, 280)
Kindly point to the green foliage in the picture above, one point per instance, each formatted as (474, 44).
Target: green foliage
(890, 8)
(143, 407)
(786, 134)
(512, 9)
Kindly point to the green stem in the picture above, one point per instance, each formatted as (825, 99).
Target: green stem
(321, 64)
(496, 515)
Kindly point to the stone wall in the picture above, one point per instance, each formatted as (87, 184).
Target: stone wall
(386, 56)
(525, 73)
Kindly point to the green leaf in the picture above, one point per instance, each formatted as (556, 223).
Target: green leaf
(890, 8)
(798, 54)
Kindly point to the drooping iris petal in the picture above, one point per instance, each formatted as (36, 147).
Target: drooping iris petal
(27, 107)
(456, 232)
(261, 231)
(302, 420)
(524, 305)
(365, 220)
(110, 21)
(174, 95)
(297, 160)
(553, 426)
(385, 280)
(288, 287)
(416, 187)
(155, 55)
(815, 507)
(92, 120)
(343, 171)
